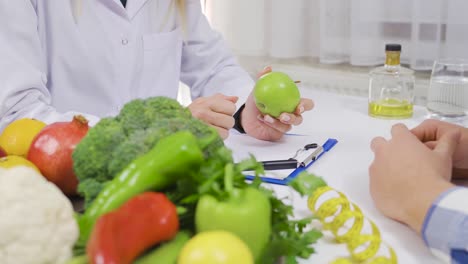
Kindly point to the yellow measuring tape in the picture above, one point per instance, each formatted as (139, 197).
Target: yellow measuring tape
(334, 212)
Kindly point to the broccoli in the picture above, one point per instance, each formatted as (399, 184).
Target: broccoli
(141, 141)
(90, 189)
(141, 113)
(92, 154)
(163, 107)
(209, 139)
(115, 141)
(132, 147)
(133, 122)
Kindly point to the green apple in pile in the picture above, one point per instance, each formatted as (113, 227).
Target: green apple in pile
(276, 93)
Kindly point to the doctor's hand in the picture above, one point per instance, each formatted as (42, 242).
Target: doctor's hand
(406, 176)
(216, 110)
(265, 127)
(431, 131)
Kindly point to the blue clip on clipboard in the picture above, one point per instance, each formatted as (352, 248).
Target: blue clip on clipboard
(328, 145)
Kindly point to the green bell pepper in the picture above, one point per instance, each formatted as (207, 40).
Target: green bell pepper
(246, 213)
(83, 259)
(173, 156)
(168, 252)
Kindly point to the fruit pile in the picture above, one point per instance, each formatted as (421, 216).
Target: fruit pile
(46, 148)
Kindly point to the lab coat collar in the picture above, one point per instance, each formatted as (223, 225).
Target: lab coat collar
(133, 7)
(131, 10)
(116, 6)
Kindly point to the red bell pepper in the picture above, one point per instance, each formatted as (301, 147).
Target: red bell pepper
(120, 236)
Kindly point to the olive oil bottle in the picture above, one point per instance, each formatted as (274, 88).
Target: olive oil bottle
(391, 87)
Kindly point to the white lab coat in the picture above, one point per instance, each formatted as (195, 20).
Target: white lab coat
(60, 57)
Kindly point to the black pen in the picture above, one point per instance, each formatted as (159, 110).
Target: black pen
(280, 164)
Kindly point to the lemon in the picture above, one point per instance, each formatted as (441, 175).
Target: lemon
(15, 161)
(19, 134)
(215, 247)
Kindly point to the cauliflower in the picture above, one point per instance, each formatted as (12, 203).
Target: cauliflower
(37, 223)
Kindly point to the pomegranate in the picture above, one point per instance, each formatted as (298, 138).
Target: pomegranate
(2, 152)
(51, 151)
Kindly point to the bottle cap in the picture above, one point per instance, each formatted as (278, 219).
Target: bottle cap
(393, 47)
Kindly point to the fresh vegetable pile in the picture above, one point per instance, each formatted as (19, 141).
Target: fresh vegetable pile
(161, 187)
(173, 154)
(115, 141)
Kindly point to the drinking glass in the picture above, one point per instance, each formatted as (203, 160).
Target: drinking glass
(448, 90)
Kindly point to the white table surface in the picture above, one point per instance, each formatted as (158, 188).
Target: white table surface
(345, 168)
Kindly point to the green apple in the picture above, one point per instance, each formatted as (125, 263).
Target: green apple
(276, 93)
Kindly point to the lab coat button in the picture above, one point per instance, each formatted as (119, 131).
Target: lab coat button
(124, 41)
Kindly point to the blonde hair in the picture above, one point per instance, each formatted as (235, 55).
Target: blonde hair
(180, 4)
(77, 8)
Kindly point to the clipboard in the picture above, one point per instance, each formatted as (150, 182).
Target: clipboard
(326, 147)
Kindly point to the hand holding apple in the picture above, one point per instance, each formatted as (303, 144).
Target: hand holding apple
(264, 126)
(275, 93)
